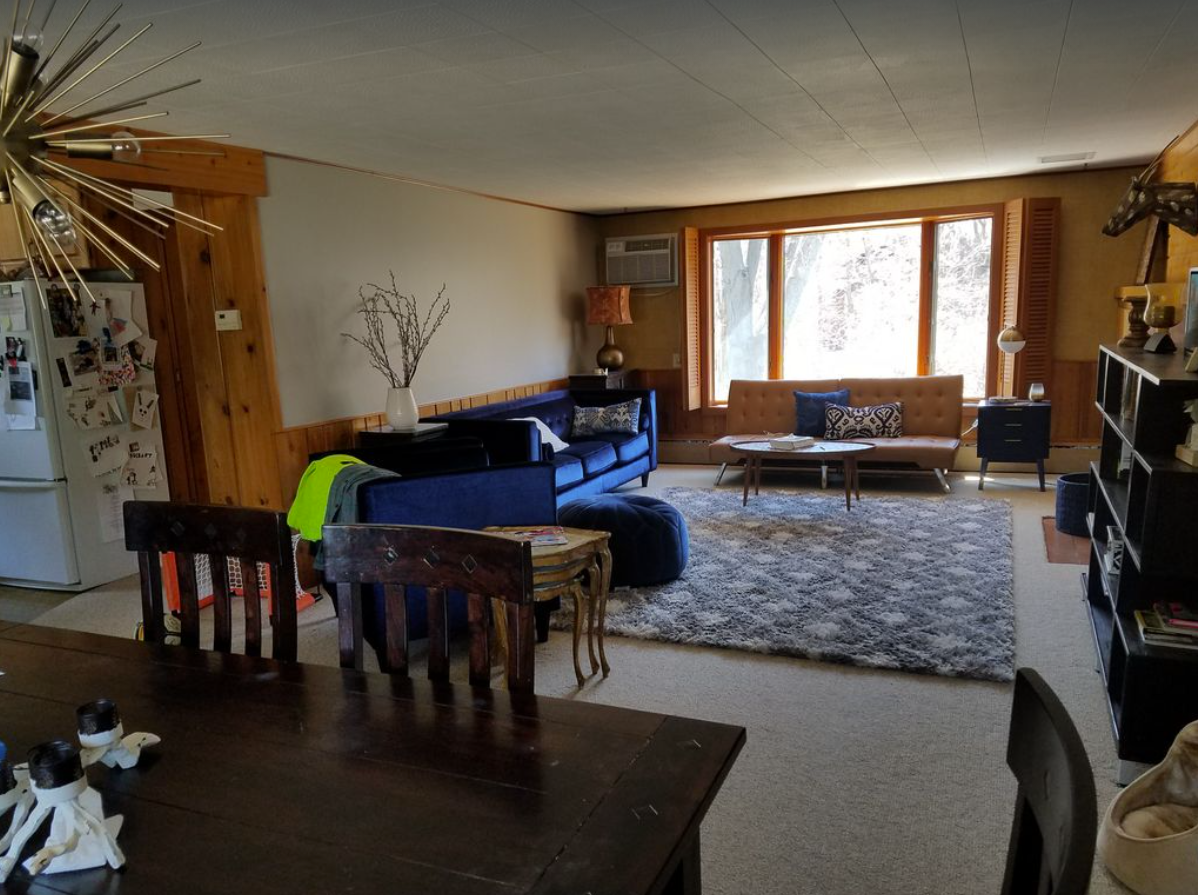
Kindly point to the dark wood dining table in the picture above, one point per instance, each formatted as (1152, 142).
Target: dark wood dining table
(285, 778)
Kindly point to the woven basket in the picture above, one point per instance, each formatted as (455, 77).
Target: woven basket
(1073, 500)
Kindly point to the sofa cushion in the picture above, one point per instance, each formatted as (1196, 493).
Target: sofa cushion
(879, 421)
(567, 471)
(924, 451)
(622, 417)
(628, 447)
(810, 407)
(596, 456)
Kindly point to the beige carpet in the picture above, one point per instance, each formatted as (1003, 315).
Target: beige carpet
(853, 781)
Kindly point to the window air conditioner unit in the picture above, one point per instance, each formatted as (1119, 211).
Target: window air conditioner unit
(643, 260)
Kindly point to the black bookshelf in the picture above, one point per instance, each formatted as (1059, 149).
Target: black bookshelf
(1140, 489)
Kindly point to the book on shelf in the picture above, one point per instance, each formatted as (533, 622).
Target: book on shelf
(1176, 616)
(791, 442)
(549, 536)
(1155, 632)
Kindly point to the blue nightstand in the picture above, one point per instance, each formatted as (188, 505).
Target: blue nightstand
(1014, 432)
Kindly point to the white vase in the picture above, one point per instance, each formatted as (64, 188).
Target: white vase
(402, 412)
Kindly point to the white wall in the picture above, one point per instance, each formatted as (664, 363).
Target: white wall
(516, 278)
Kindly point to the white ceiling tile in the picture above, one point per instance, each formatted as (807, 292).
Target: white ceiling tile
(608, 104)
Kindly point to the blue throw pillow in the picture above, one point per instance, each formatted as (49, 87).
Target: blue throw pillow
(810, 407)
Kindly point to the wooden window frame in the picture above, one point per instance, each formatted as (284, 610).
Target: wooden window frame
(776, 233)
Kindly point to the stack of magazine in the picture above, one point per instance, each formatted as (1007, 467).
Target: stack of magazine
(790, 442)
(1168, 624)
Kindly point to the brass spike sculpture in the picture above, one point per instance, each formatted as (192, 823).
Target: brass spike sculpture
(44, 126)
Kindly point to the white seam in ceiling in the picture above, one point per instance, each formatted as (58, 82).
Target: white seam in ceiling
(1155, 47)
(797, 83)
(705, 85)
(1056, 73)
(878, 69)
(977, 113)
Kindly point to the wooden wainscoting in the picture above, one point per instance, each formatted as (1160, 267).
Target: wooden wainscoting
(294, 444)
(1075, 420)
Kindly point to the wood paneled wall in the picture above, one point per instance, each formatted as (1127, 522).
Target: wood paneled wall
(237, 396)
(1180, 163)
(1075, 420)
(293, 444)
(219, 404)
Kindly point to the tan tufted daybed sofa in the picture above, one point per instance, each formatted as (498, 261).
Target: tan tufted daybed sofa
(931, 418)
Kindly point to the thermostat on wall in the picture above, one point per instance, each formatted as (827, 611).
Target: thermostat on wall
(228, 320)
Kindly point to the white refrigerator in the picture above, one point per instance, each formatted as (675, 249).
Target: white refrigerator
(79, 431)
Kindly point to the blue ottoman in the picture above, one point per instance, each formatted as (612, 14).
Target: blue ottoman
(649, 543)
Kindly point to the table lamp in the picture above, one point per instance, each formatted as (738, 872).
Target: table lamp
(608, 306)
(1010, 341)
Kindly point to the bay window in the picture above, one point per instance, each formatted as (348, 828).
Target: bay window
(877, 298)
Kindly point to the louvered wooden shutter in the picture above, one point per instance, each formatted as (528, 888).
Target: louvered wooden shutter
(692, 367)
(1031, 233)
(1012, 242)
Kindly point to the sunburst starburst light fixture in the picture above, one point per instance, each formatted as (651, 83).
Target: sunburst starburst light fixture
(45, 124)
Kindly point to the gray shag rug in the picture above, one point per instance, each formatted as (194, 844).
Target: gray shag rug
(914, 584)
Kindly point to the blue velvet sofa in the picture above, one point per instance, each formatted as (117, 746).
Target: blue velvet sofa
(592, 464)
(519, 494)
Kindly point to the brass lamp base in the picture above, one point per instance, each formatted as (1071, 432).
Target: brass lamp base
(610, 357)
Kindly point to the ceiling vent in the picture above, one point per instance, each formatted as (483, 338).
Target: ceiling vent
(1066, 157)
(643, 260)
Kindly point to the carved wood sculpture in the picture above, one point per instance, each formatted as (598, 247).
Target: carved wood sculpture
(1173, 203)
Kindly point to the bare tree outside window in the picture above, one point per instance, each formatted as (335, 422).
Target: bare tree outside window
(961, 301)
(740, 311)
(851, 303)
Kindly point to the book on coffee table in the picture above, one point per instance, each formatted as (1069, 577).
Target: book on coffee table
(549, 536)
(791, 442)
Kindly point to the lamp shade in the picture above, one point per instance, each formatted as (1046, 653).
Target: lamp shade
(608, 305)
(1011, 340)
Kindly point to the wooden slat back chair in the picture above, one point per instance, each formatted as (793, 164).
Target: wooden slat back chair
(1056, 812)
(486, 567)
(249, 536)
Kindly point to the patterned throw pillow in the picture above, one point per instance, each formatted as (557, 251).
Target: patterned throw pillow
(878, 421)
(624, 417)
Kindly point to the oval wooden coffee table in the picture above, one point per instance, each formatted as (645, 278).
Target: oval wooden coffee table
(847, 452)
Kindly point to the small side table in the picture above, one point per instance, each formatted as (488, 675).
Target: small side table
(1014, 432)
(381, 436)
(614, 379)
(580, 568)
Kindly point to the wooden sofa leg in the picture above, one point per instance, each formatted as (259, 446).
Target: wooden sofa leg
(723, 468)
(943, 481)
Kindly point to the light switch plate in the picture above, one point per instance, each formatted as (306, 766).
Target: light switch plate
(227, 321)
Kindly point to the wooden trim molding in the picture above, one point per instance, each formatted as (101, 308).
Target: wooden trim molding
(237, 171)
(293, 444)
